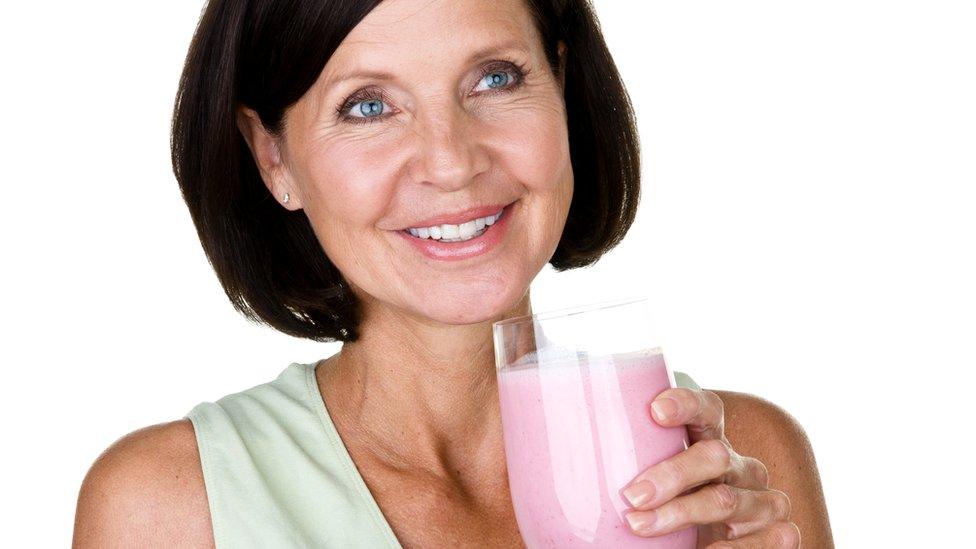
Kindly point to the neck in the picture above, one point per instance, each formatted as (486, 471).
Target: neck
(421, 396)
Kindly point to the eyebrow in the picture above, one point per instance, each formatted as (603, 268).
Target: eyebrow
(488, 51)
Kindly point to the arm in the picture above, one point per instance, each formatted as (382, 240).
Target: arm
(145, 490)
(758, 428)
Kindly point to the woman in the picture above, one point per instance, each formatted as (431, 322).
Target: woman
(393, 175)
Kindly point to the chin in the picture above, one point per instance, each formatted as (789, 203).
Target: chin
(473, 303)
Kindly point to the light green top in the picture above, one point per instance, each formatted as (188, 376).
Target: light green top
(278, 475)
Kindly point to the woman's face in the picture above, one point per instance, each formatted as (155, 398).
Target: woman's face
(433, 114)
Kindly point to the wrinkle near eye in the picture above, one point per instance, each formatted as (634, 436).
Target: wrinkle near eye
(533, 96)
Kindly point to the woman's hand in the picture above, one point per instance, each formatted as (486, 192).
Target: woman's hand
(709, 484)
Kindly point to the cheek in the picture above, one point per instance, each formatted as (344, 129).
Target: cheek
(347, 186)
(347, 189)
(536, 152)
(537, 156)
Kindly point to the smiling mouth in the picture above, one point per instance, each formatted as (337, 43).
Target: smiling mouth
(456, 233)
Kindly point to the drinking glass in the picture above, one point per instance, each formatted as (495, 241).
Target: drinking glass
(575, 388)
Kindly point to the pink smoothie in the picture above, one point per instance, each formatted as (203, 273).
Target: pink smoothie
(576, 433)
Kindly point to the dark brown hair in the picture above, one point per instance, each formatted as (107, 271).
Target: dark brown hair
(265, 54)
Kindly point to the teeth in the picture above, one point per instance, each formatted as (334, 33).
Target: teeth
(466, 230)
(456, 233)
(450, 231)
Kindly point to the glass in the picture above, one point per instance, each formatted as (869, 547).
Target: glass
(575, 388)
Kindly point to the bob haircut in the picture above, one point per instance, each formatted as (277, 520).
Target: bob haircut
(265, 54)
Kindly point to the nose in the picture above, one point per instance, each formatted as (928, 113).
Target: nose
(449, 153)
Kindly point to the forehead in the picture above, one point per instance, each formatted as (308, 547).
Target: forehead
(430, 32)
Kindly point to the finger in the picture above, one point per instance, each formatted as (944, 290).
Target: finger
(702, 462)
(745, 472)
(751, 474)
(702, 411)
(713, 503)
(776, 507)
(781, 535)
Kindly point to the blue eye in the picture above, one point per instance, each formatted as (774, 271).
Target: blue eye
(502, 76)
(497, 79)
(371, 107)
(363, 106)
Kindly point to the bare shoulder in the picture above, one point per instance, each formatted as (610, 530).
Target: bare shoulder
(146, 489)
(755, 420)
(761, 429)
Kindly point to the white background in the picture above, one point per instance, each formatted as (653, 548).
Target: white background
(806, 234)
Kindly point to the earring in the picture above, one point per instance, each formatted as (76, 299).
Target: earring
(286, 198)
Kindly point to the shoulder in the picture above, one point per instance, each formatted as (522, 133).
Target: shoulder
(756, 415)
(755, 426)
(758, 428)
(146, 489)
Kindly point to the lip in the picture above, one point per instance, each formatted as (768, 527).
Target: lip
(456, 251)
(456, 218)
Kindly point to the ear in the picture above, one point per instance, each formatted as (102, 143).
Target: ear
(266, 150)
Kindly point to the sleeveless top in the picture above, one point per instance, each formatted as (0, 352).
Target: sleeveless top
(277, 474)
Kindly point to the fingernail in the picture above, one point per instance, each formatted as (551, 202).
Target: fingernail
(639, 492)
(641, 521)
(664, 408)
